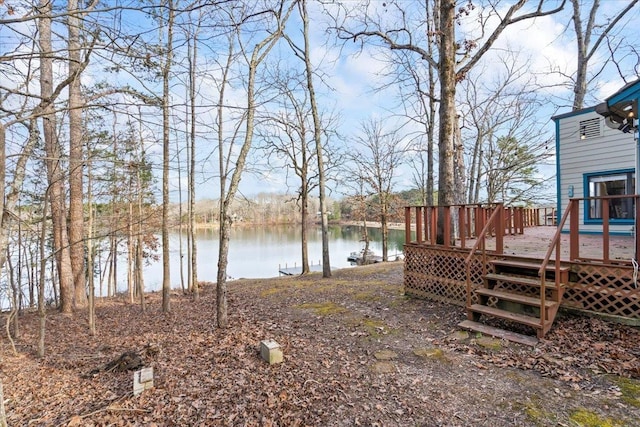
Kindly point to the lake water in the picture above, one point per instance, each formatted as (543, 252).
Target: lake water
(256, 252)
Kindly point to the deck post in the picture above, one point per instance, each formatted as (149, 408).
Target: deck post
(506, 214)
(574, 230)
(434, 225)
(426, 214)
(478, 220)
(462, 225)
(407, 224)
(419, 224)
(447, 226)
(500, 232)
(521, 220)
(605, 230)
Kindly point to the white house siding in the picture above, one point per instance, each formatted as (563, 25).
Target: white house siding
(611, 151)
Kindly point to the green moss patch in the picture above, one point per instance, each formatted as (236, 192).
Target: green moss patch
(584, 418)
(374, 327)
(539, 416)
(383, 367)
(323, 308)
(366, 296)
(630, 390)
(489, 343)
(431, 353)
(271, 291)
(457, 336)
(385, 355)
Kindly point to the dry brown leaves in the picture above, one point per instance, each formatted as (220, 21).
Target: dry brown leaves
(331, 331)
(577, 350)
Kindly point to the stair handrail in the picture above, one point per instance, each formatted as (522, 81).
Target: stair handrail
(480, 242)
(555, 244)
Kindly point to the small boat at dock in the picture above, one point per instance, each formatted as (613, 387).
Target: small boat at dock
(362, 257)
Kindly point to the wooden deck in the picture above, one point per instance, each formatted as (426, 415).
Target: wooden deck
(534, 242)
(588, 273)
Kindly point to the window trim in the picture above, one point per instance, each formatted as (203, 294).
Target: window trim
(586, 207)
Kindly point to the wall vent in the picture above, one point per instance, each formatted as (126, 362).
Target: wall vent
(591, 128)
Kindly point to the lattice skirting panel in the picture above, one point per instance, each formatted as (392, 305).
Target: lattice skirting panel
(603, 289)
(439, 274)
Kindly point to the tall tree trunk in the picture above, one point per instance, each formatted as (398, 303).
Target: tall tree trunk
(224, 220)
(4, 243)
(113, 260)
(384, 225)
(131, 287)
(447, 77)
(225, 211)
(260, 52)
(76, 161)
(55, 173)
(433, 22)
(180, 222)
(193, 247)
(317, 135)
(166, 70)
(582, 40)
(140, 241)
(473, 172)
(139, 252)
(90, 258)
(42, 310)
(460, 173)
(304, 211)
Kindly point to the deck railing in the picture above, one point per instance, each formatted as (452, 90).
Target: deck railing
(464, 222)
(600, 209)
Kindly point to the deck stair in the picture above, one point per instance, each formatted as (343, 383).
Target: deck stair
(512, 290)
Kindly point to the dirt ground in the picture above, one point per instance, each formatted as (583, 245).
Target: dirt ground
(356, 352)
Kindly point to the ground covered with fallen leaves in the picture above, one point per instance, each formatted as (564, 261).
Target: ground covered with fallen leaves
(356, 352)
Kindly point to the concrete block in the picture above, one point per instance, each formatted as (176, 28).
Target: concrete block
(271, 352)
(142, 380)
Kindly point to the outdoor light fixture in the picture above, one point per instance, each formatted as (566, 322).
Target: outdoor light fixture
(619, 117)
(626, 127)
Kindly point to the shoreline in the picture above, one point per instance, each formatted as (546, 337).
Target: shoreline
(370, 224)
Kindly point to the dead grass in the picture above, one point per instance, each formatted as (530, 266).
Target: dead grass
(331, 331)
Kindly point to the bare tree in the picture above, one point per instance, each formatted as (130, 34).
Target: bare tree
(502, 109)
(377, 156)
(453, 60)
(419, 105)
(287, 139)
(54, 165)
(76, 156)
(589, 31)
(275, 20)
(192, 57)
(166, 74)
(317, 136)
(511, 170)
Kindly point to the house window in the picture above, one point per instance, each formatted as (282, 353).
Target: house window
(618, 184)
(590, 128)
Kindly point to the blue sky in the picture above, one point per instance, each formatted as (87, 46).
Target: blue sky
(351, 74)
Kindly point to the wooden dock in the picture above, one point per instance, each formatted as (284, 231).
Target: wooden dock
(296, 270)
